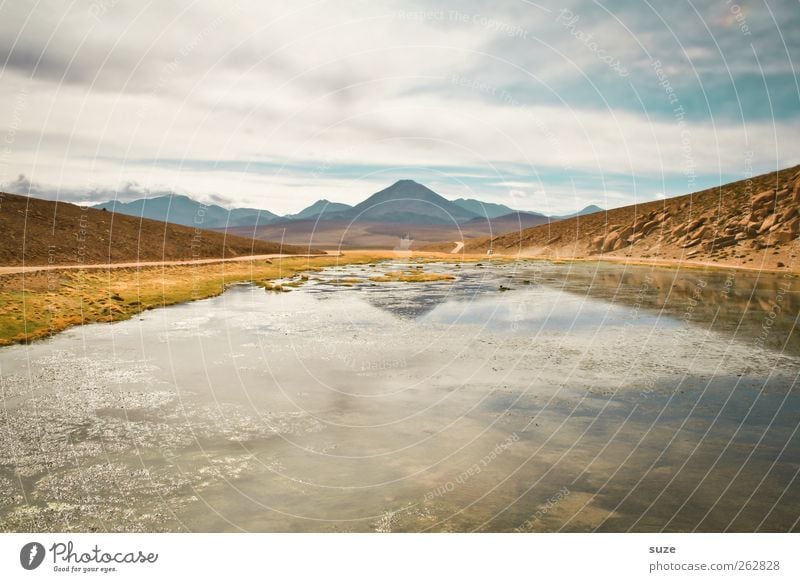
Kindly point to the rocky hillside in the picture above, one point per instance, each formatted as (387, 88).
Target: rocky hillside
(41, 232)
(752, 222)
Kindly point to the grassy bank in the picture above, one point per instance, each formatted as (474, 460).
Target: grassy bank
(35, 305)
(38, 304)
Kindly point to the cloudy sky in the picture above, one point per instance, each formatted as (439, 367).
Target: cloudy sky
(545, 106)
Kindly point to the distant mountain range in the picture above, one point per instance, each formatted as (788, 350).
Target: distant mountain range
(320, 208)
(485, 209)
(404, 202)
(591, 209)
(183, 210)
(407, 202)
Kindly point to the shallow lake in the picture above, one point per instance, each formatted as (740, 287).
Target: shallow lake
(517, 397)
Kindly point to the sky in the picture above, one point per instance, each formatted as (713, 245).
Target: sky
(547, 106)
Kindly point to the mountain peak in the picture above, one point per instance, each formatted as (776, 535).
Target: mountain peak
(407, 201)
(322, 208)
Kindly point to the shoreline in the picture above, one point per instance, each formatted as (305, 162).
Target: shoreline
(39, 302)
(663, 263)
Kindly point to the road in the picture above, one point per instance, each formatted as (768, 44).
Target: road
(34, 268)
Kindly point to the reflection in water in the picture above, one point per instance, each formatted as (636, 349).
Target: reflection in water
(748, 306)
(581, 398)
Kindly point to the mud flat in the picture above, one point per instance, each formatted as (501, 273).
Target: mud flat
(515, 397)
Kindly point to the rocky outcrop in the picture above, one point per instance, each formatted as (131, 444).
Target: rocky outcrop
(725, 224)
(772, 217)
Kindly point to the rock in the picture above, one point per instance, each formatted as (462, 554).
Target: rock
(690, 243)
(720, 242)
(699, 233)
(610, 241)
(784, 236)
(787, 214)
(763, 199)
(625, 232)
(595, 245)
(635, 237)
(740, 236)
(695, 223)
(619, 244)
(678, 230)
(649, 226)
(767, 224)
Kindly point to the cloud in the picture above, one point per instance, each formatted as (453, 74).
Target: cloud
(276, 104)
(125, 193)
(25, 187)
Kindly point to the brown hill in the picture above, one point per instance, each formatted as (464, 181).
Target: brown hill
(41, 232)
(753, 222)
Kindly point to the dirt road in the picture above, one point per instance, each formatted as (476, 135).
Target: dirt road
(34, 268)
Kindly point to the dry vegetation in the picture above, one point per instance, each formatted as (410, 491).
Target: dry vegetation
(411, 276)
(38, 304)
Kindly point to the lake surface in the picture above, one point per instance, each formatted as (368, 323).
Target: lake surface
(518, 397)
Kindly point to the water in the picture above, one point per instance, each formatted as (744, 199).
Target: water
(577, 398)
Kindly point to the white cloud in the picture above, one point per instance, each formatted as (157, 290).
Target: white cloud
(358, 84)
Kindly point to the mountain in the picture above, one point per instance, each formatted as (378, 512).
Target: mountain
(753, 222)
(509, 222)
(484, 209)
(183, 210)
(41, 232)
(591, 209)
(404, 202)
(322, 209)
(407, 201)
